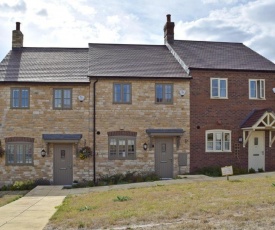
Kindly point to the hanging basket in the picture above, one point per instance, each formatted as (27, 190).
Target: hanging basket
(85, 152)
(2, 150)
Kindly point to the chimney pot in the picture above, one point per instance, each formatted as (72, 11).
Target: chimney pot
(168, 17)
(17, 25)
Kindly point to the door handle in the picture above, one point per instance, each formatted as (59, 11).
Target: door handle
(63, 168)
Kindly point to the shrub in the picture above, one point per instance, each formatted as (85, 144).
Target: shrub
(251, 170)
(41, 181)
(260, 170)
(23, 185)
(214, 171)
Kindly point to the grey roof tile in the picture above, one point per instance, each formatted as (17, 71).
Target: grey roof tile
(45, 65)
(122, 60)
(220, 55)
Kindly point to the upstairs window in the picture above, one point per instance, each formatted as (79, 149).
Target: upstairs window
(256, 89)
(164, 93)
(62, 99)
(218, 88)
(218, 141)
(122, 93)
(20, 98)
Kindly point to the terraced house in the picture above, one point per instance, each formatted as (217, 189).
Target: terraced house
(79, 113)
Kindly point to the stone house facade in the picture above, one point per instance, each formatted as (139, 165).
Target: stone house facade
(81, 113)
(54, 105)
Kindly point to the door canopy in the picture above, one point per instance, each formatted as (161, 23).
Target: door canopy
(259, 120)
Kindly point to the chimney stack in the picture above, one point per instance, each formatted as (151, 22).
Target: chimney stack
(169, 30)
(17, 37)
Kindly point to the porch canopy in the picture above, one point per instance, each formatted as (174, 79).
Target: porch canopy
(61, 138)
(164, 132)
(259, 120)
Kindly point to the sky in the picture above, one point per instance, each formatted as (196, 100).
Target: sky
(75, 23)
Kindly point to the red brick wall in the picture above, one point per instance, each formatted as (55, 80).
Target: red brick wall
(228, 114)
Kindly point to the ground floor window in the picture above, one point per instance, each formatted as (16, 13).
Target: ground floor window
(19, 151)
(218, 141)
(122, 148)
(122, 145)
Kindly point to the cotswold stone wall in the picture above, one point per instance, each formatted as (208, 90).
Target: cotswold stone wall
(143, 113)
(40, 119)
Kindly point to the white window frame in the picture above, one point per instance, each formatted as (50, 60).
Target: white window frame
(215, 133)
(260, 89)
(219, 88)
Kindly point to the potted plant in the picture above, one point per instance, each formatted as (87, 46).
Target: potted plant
(85, 152)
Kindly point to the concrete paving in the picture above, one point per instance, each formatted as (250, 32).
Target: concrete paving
(34, 210)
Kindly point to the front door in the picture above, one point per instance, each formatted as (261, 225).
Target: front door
(256, 151)
(164, 157)
(63, 162)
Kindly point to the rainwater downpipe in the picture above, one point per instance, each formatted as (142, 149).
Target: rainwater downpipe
(94, 131)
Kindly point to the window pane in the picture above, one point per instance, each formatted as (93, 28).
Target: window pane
(159, 93)
(131, 147)
(227, 141)
(218, 141)
(215, 87)
(126, 93)
(113, 147)
(20, 153)
(117, 93)
(10, 154)
(67, 103)
(58, 98)
(262, 88)
(28, 154)
(168, 93)
(25, 98)
(222, 88)
(15, 98)
(253, 89)
(210, 141)
(121, 148)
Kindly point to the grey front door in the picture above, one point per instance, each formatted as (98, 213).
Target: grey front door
(164, 157)
(63, 164)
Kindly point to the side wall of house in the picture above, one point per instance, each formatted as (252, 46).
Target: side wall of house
(143, 113)
(40, 119)
(226, 114)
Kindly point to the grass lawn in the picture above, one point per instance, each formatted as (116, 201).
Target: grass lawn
(234, 204)
(10, 196)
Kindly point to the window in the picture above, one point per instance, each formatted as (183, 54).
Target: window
(122, 147)
(19, 153)
(256, 89)
(122, 93)
(218, 88)
(218, 141)
(20, 98)
(62, 98)
(164, 93)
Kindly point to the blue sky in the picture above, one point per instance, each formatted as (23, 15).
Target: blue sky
(75, 23)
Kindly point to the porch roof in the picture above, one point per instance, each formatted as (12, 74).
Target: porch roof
(260, 119)
(165, 132)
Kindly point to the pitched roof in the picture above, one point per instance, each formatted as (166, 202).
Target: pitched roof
(45, 65)
(254, 117)
(122, 60)
(220, 55)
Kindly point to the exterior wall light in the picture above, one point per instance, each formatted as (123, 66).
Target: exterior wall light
(240, 140)
(43, 153)
(145, 146)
